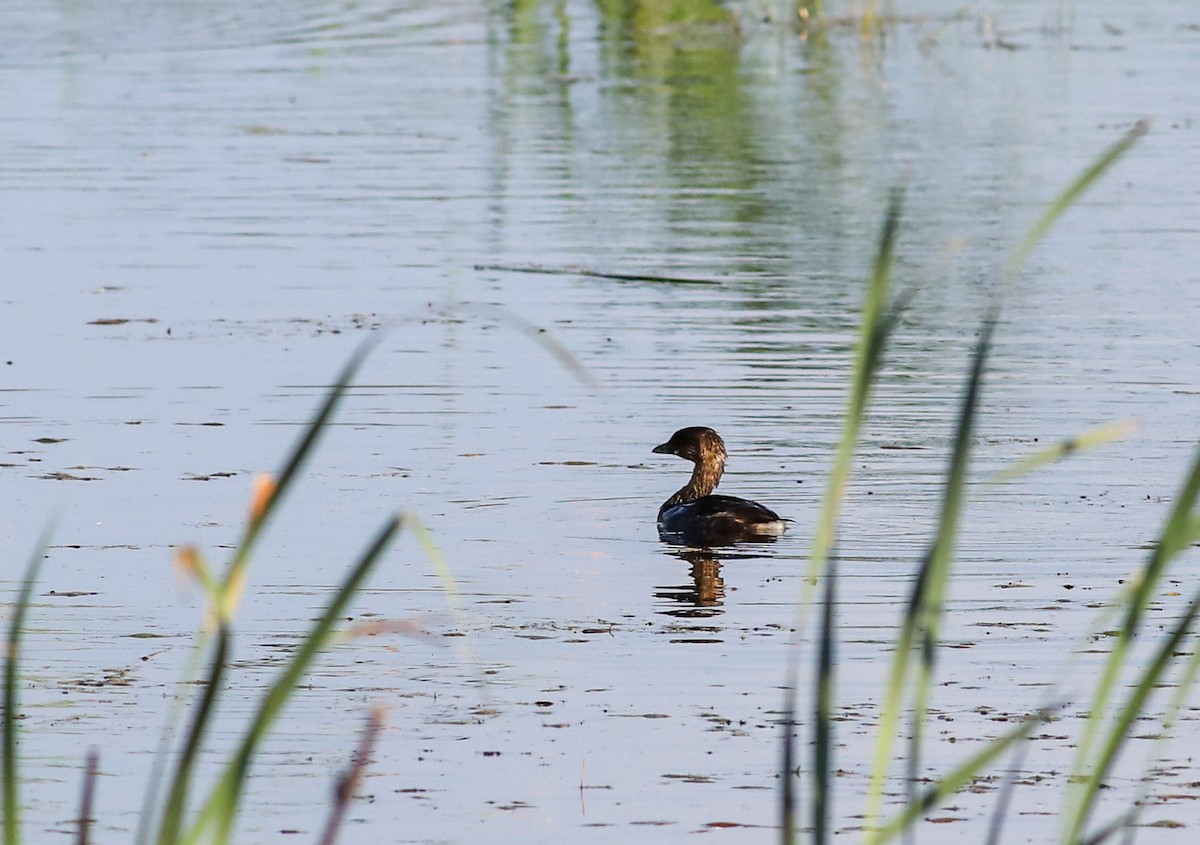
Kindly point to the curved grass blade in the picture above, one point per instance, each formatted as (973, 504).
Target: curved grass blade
(930, 601)
(878, 322)
(1087, 439)
(440, 567)
(348, 783)
(1177, 532)
(923, 613)
(958, 778)
(539, 336)
(173, 809)
(1179, 700)
(228, 590)
(1004, 797)
(261, 514)
(822, 797)
(10, 765)
(1072, 193)
(220, 810)
(1119, 731)
(189, 562)
(449, 588)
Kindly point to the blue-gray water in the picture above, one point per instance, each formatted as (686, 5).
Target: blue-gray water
(204, 208)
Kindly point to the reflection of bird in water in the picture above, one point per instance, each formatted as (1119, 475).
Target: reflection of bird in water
(706, 575)
(697, 517)
(703, 597)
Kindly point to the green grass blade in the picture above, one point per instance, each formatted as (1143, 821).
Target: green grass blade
(235, 575)
(449, 589)
(878, 322)
(1072, 193)
(1176, 535)
(223, 596)
(440, 567)
(1179, 700)
(1119, 730)
(788, 774)
(1177, 532)
(539, 336)
(9, 767)
(190, 563)
(930, 601)
(822, 797)
(956, 779)
(1004, 797)
(1088, 439)
(180, 783)
(220, 810)
(921, 621)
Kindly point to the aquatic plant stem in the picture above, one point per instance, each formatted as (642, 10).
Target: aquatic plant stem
(877, 324)
(9, 765)
(348, 783)
(1179, 700)
(87, 797)
(173, 809)
(224, 595)
(1136, 701)
(955, 780)
(235, 575)
(1071, 194)
(920, 625)
(1178, 531)
(219, 812)
(823, 739)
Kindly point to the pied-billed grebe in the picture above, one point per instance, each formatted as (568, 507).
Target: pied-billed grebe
(697, 517)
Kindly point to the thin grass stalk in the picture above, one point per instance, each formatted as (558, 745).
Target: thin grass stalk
(229, 590)
(1179, 700)
(876, 328)
(877, 324)
(539, 336)
(916, 734)
(1119, 731)
(180, 783)
(10, 764)
(189, 559)
(87, 797)
(931, 600)
(1090, 438)
(788, 774)
(1004, 797)
(823, 739)
(220, 810)
(236, 573)
(889, 714)
(441, 567)
(348, 783)
(1110, 830)
(959, 777)
(1071, 195)
(920, 624)
(1176, 532)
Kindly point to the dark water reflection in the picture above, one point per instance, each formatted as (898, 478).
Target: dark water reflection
(703, 596)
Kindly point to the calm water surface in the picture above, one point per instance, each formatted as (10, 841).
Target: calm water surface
(204, 209)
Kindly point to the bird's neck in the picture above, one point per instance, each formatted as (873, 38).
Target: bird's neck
(705, 477)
